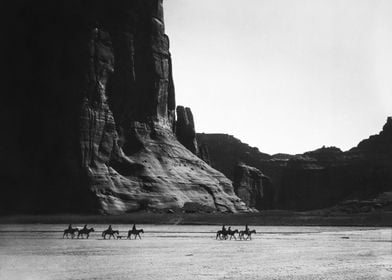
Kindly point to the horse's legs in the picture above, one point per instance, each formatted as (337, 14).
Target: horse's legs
(139, 236)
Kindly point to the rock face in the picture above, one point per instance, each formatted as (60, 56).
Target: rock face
(185, 129)
(251, 185)
(93, 109)
(225, 151)
(315, 179)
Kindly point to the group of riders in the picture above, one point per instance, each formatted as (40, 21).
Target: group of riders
(228, 233)
(84, 232)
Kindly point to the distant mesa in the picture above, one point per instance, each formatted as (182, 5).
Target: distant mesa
(313, 180)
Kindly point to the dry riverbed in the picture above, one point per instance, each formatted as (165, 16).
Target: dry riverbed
(37, 251)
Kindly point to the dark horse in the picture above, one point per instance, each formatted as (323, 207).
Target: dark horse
(232, 233)
(70, 231)
(135, 232)
(85, 231)
(222, 234)
(109, 232)
(247, 233)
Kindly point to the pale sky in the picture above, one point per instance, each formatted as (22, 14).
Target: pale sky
(285, 76)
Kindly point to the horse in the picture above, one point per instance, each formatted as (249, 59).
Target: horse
(109, 232)
(222, 234)
(135, 232)
(70, 231)
(247, 233)
(232, 233)
(85, 231)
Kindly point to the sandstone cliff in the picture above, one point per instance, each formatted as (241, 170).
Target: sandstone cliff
(185, 129)
(315, 179)
(253, 187)
(91, 113)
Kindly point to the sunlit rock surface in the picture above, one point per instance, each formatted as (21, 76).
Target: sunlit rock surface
(92, 97)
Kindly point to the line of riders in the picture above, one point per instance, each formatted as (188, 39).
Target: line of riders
(225, 234)
(84, 232)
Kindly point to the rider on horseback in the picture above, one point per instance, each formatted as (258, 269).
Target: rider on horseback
(246, 228)
(134, 227)
(110, 228)
(224, 229)
(69, 227)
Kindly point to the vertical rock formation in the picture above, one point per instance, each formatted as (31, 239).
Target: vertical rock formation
(248, 184)
(185, 129)
(95, 108)
(204, 153)
(252, 186)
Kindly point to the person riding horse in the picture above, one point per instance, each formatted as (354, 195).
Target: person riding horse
(135, 232)
(247, 232)
(70, 231)
(110, 232)
(85, 232)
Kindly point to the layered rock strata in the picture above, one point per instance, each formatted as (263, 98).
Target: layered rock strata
(315, 179)
(92, 96)
(251, 185)
(185, 129)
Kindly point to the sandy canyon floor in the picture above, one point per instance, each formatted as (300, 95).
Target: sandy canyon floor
(192, 252)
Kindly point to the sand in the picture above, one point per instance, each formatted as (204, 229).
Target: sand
(192, 252)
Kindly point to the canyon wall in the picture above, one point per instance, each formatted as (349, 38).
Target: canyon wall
(315, 179)
(90, 114)
(253, 187)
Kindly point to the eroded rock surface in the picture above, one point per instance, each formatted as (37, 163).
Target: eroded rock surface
(185, 129)
(315, 179)
(94, 100)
